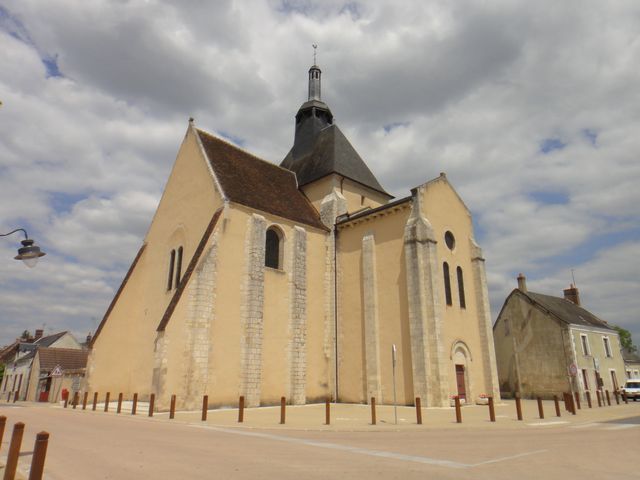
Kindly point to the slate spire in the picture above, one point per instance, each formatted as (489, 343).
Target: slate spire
(319, 147)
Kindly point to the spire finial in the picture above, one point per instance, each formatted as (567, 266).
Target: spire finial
(315, 50)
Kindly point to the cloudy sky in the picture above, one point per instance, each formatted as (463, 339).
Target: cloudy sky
(531, 108)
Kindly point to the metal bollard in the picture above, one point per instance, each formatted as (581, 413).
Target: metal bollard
(84, 400)
(492, 410)
(577, 395)
(456, 401)
(172, 407)
(152, 401)
(66, 401)
(14, 452)
(572, 405)
(616, 395)
(624, 397)
(599, 398)
(588, 394)
(95, 401)
(283, 406)
(373, 410)
(566, 402)
(327, 411)
(106, 402)
(518, 406)
(241, 409)
(608, 397)
(205, 407)
(418, 411)
(39, 454)
(3, 422)
(557, 405)
(134, 407)
(15, 398)
(76, 396)
(540, 409)
(119, 409)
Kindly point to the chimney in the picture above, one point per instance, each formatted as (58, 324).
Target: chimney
(39, 333)
(522, 282)
(89, 337)
(572, 294)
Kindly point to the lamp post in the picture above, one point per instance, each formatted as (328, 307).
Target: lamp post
(29, 252)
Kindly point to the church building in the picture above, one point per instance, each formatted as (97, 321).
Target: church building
(298, 280)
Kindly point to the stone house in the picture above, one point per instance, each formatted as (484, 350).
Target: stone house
(19, 362)
(296, 280)
(55, 370)
(547, 345)
(631, 363)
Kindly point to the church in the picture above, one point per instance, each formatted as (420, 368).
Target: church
(298, 280)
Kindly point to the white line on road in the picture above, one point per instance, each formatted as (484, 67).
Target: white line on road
(544, 424)
(622, 426)
(585, 425)
(365, 451)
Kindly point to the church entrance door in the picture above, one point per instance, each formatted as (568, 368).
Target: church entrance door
(462, 391)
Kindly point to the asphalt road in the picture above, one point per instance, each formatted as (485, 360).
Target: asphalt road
(95, 445)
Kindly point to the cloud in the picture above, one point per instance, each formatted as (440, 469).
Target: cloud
(530, 108)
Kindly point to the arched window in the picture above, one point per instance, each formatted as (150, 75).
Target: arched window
(172, 259)
(273, 251)
(178, 267)
(461, 288)
(447, 283)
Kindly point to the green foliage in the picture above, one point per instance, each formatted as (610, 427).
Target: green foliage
(25, 335)
(625, 339)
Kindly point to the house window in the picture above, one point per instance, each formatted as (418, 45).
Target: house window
(273, 249)
(447, 283)
(178, 266)
(585, 344)
(461, 288)
(172, 260)
(607, 347)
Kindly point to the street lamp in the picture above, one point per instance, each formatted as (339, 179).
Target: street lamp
(29, 252)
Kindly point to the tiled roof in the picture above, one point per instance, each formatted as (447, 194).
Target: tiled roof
(567, 311)
(256, 183)
(630, 357)
(67, 358)
(48, 340)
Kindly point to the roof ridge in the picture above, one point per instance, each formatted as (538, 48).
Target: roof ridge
(253, 155)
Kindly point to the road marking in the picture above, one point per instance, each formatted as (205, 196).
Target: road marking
(586, 425)
(544, 424)
(365, 451)
(622, 426)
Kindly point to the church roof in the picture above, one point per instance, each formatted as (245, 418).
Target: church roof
(330, 152)
(566, 311)
(256, 183)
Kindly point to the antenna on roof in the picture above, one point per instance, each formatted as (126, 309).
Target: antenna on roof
(315, 50)
(573, 278)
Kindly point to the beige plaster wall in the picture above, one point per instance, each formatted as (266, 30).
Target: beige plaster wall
(387, 231)
(445, 211)
(358, 196)
(122, 354)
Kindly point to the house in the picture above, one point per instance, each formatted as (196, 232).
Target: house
(547, 345)
(631, 363)
(20, 358)
(298, 280)
(55, 370)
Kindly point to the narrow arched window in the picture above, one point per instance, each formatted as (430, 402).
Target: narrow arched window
(179, 267)
(272, 253)
(463, 304)
(172, 260)
(447, 283)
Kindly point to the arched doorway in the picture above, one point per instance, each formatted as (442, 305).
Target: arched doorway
(461, 359)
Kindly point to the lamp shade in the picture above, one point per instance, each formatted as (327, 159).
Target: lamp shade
(29, 253)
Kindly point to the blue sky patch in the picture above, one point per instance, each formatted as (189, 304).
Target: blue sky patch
(51, 64)
(232, 138)
(551, 144)
(550, 198)
(591, 135)
(63, 202)
(394, 125)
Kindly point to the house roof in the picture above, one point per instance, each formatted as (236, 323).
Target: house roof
(48, 340)
(256, 183)
(329, 152)
(67, 358)
(566, 310)
(630, 357)
(8, 353)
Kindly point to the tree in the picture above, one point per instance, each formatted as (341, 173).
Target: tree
(625, 339)
(25, 335)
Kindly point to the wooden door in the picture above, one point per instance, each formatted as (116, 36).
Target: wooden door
(462, 391)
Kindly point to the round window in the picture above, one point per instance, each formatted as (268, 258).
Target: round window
(450, 240)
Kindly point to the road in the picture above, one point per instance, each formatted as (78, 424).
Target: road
(95, 445)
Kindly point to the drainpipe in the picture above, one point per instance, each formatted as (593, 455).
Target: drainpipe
(335, 300)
